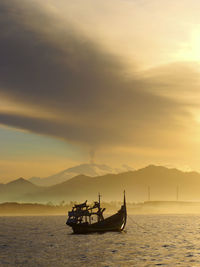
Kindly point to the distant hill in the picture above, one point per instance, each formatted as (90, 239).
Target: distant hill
(17, 190)
(91, 170)
(165, 185)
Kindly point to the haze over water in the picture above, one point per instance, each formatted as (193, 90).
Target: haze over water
(151, 240)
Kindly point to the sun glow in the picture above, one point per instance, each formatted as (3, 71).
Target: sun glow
(190, 50)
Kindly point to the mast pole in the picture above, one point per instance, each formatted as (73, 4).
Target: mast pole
(99, 200)
(99, 208)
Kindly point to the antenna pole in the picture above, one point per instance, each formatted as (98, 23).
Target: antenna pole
(177, 193)
(149, 193)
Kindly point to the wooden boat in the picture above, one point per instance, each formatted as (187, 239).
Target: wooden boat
(81, 218)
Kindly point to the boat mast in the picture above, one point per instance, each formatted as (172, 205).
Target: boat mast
(99, 208)
(99, 200)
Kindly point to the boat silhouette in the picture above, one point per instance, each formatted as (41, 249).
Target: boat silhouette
(81, 218)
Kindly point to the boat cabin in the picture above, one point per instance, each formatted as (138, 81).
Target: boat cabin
(83, 213)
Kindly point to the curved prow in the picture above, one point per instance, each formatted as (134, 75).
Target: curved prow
(124, 212)
(124, 198)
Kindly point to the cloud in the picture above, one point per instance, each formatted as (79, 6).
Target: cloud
(179, 80)
(48, 65)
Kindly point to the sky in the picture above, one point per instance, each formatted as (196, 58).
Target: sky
(115, 80)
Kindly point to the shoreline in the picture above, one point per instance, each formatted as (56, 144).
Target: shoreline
(145, 208)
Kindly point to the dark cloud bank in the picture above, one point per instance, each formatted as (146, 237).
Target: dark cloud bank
(46, 64)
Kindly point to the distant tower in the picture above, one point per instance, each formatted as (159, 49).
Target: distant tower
(177, 193)
(92, 155)
(149, 193)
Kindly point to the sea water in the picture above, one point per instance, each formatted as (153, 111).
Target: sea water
(148, 240)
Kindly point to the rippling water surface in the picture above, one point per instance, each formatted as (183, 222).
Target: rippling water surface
(152, 240)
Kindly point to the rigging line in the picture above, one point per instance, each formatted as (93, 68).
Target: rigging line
(137, 224)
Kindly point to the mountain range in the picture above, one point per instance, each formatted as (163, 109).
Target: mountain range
(149, 183)
(91, 170)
